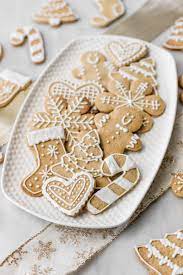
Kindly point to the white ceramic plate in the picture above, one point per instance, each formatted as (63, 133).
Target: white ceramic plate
(20, 162)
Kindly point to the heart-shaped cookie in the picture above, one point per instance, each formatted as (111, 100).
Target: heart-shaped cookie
(69, 196)
(123, 53)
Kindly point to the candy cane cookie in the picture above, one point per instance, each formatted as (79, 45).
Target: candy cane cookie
(35, 41)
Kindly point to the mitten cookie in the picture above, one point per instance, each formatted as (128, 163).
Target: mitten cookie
(175, 39)
(47, 147)
(35, 40)
(68, 89)
(116, 130)
(143, 70)
(11, 83)
(54, 13)
(124, 53)
(177, 184)
(94, 66)
(163, 256)
(106, 196)
(69, 196)
(110, 10)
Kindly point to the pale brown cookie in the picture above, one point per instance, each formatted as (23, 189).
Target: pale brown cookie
(175, 39)
(144, 70)
(35, 41)
(163, 256)
(177, 184)
(54, 13)
(69, 196)
(11, 83)
(94, 66)
(105, 197)
(123, 53)
(116, 130)
(67, 89)
(110, 10)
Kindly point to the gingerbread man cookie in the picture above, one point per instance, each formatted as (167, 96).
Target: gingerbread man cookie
(69, 196)
(110, 10)
(35, 40)
(94, 66)
(54, 13)
(163, 256)
(175, 39)
(11, 83)
(124, 53)
(116, 130)
(106, 196)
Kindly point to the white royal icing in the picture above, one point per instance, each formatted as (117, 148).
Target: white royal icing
(19, 79)
(42, 135)
(112, 165)
(107, 195)
(124, 183)
(133, 141)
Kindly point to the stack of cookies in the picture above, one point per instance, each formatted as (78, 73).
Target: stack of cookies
(81, 139)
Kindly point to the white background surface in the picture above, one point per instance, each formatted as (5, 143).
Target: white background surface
(15, 225)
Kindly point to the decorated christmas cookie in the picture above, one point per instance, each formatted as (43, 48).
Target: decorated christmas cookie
(54, 13)
(177, 184)
(143, 70)
(116, 130)
(69, 196)
(11, 83)
(35, 40)
(94, 66)
(68, 89)
(175, 39)
(103, 198)
(163, 256)
(124, 53)
(110, 10)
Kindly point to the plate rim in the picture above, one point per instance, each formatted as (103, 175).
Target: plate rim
(60, 52)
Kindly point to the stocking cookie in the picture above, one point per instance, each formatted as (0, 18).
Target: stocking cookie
(175, 39)
(177, 184)
(94, 66)
(47, 146)
(105, 197)
(69, 196)
(54, 13)
(116, 130)
(124, 53)
(110, 10)
(11, 83)
(163, 256)
(35, 40)
(143, 70)
(68, 89)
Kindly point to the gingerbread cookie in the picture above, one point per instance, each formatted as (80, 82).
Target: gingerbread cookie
(103, 198)
(110, 10)
(116, 130)
(175, 39)
(69, 196)
(94, 66)
(143, 70)
(163, 256)
(68, 89)
(124, 53)
(11, 83)
(177, 184)
(35, 40)
(54, 13)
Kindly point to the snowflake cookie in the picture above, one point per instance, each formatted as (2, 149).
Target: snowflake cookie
(69, 196)
(175, 39)
(116, 130)
(124, 53)
(94, 66)
(110, 10)
(11, 83)
(54, 13)
(163, 256)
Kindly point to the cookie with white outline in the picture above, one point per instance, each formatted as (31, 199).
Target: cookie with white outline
(175, 38)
